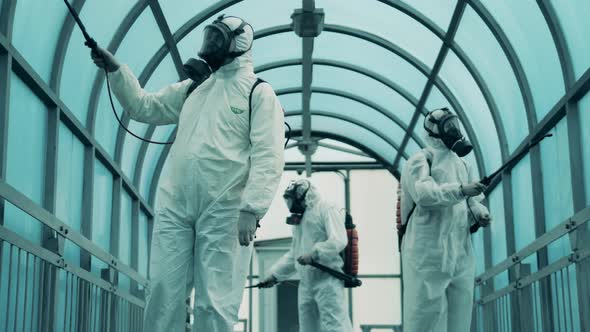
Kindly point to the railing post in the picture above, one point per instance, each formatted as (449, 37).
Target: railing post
(525, 300)
(112, 276)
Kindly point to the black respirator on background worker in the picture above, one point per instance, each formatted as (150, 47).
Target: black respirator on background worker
(295, 203)
(449, 131)
(218, 42)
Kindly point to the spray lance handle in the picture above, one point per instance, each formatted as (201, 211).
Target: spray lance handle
(488, 179)
(90, 42)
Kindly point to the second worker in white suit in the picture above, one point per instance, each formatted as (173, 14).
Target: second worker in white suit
(319, 237)
(221, 176)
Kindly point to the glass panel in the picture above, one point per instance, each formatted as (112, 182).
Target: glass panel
(364, 87)
(78, 66)
(323, 154)
(36, 42)
(575, 24)
(488, 57)
(346, 107)
(70, 179)
(291, 102)
(106, 125)
(556, 179)
(131, 147)
(478, 248)
(135, 50)
(281, 78)
(125, 228)
(439, 11)
(101, 211)
(142, 256)
(584, 109)
(530, 37)
(373, 57)
(524, 217)
(463, 86)
(351, 131)
(162, 133)
(386, 22)
(372, 196)
(164, 75)
(498, 232)
(383, 296)
(26, 156)
(180, 11)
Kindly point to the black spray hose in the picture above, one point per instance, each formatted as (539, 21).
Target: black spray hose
(91, 43)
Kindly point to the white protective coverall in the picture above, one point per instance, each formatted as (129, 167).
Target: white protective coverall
(217, 167)
(321, 297)
(437, 256)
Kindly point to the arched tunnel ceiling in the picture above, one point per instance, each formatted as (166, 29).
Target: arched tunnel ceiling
(407, 57)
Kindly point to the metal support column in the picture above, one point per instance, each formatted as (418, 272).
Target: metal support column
(109, 274)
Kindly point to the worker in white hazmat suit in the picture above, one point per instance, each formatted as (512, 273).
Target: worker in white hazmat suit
(222, 173)
(440, 201)
(319, 235)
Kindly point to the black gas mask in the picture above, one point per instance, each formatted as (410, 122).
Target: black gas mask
(295, 203)
(219, 41)
(449, 131)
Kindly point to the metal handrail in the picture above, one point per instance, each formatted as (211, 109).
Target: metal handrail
(557, 232)
(28, 206)
(536, 276)
(58, 261)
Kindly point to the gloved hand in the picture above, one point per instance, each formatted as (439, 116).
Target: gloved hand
(104, 59)
(473, 189)
(484, 220)
(269, 282)
(246, 228)
(305, 259)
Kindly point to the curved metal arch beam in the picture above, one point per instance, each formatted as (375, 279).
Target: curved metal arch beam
(421, 67)
(193, 23)
(62, 47)
(500, 133)
(510, 53)
(565, 59)
(430, 25)
(120, 34)
(358, 99)
(388, 46)
(370, 152)
(350, 120)
(347, 66)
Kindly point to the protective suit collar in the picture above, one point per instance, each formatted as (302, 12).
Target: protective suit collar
(243, 63)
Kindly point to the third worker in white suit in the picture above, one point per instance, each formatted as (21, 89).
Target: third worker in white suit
(221, 177)
(440, 201)
(320, 236)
